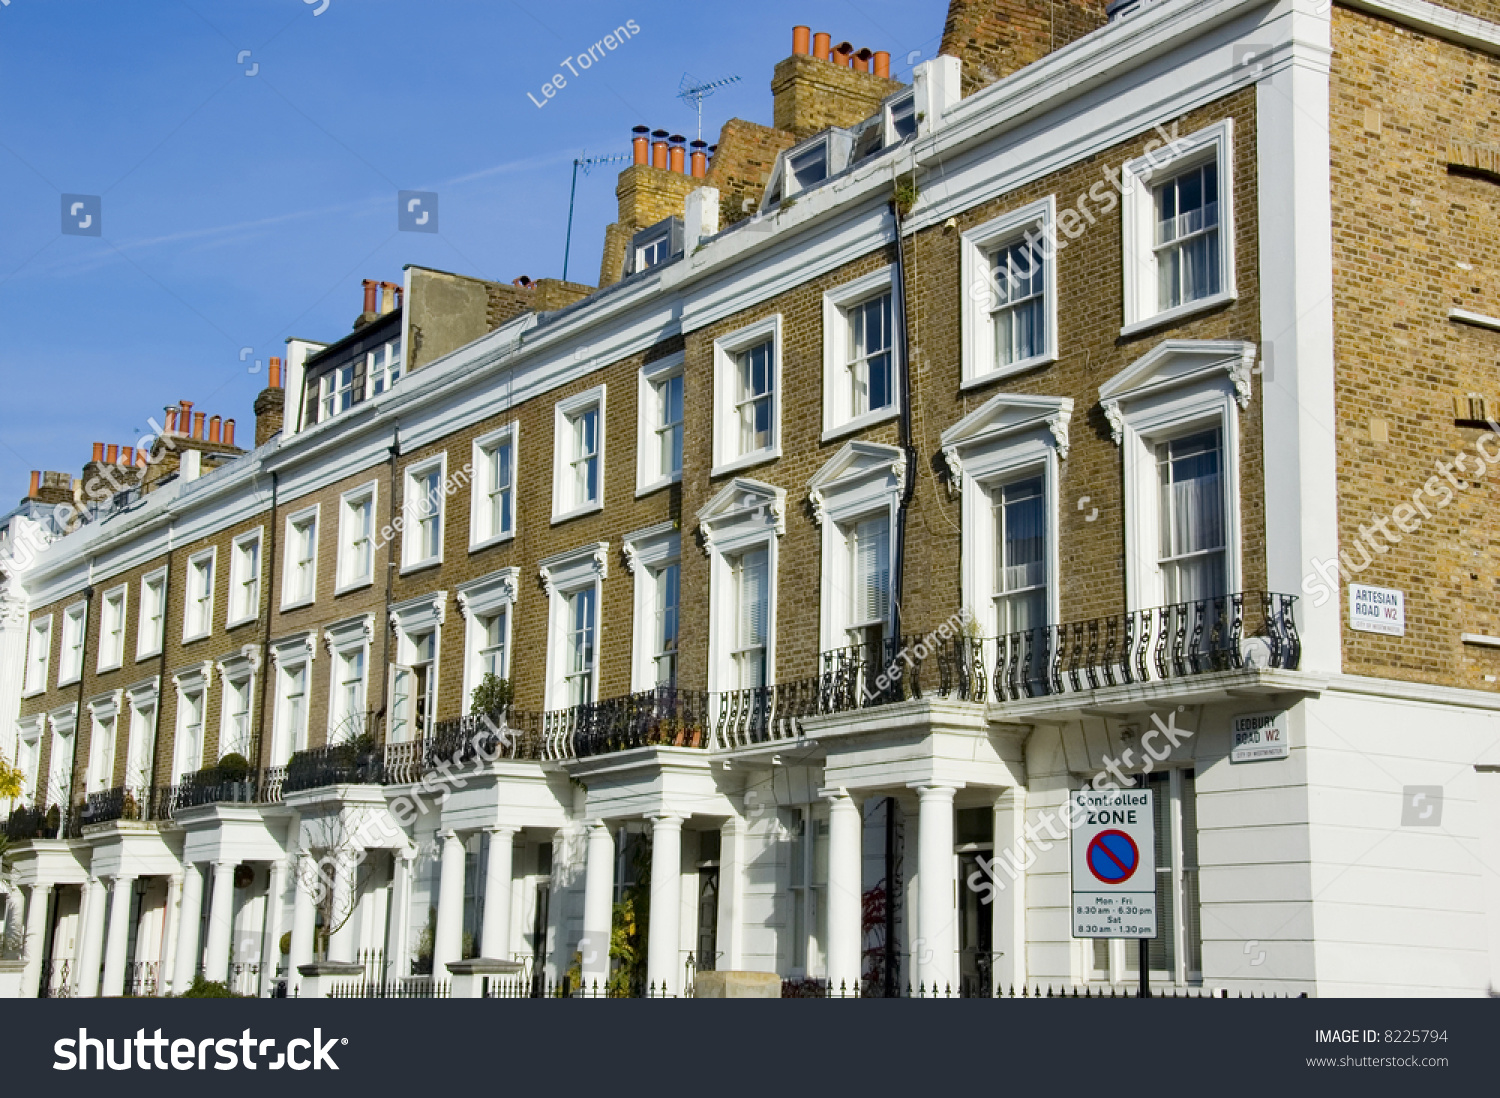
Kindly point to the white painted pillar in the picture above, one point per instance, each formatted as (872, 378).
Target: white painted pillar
(91, 942)
(220, 923)
(270, 946)
(343, 943)
(598, 904)
(36, 936)
(304, 919)
(188, 926)
(494, 935)
(1009, 903)
(845, 891)
(398, 941)
(119, 935)
(664, 967)
(733, 846)
(936, 959)
(171, 917)
(447, 942)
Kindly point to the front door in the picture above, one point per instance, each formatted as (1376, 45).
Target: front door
(975, 934)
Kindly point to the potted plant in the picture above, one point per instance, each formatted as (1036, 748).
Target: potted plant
(234, 775)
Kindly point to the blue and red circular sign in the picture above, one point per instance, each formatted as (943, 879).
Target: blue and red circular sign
(1113, 857)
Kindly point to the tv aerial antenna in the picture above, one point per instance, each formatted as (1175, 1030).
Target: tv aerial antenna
(584, 161)
(693, 92)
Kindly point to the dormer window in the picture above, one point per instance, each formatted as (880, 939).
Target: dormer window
(807, 165)
(811, 167)
(654, 246)
(900, 118)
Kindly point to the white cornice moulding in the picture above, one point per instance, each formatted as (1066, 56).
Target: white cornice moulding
(1478, 320)
(1452, 26)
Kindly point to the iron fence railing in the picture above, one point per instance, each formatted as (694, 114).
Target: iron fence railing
(140, 979)
(664, 716)
(349, 760)
(1252, 629)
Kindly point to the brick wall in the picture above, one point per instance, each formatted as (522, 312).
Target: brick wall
(994, 38)
(811, 94)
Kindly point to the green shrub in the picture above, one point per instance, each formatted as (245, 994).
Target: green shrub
(492, 695)
(207, 989)
(233, 767)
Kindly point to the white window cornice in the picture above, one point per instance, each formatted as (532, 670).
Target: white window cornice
(1001, 419)
(1175, 364)
(144, 694)
(651, 546)
(240, 666)
(744, 509)
(490, 593)
(574, 568)
(194, 677)
(105, 706)
(295, 650)
(63, 720)
(349, 634)
(422, 614)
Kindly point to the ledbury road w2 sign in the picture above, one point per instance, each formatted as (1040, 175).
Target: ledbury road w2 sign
(1114, 863)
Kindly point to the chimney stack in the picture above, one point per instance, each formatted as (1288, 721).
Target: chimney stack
(994, 38)
(831, 86)
(270, 408)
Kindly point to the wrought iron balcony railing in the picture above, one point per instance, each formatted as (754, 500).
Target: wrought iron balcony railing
(1252, 629)
(33, 823)
(664, 716)
(353, 757)
(505, 734)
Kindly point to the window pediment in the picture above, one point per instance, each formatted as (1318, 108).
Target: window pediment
(1173, 364)
(858, 472)
(744, 506)
(1003, 417)
(421, 614)
(489, 593)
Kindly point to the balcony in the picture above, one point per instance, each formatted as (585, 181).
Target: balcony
(661, 717)
(506, 734)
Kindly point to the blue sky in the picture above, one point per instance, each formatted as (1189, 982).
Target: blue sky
(241, 209)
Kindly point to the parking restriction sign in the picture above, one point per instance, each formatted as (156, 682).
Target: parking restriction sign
(1114, 863)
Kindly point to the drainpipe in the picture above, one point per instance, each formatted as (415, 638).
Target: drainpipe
(390, 566)
(161, 669)
(898, 567)
(265, 642)
(88, 620)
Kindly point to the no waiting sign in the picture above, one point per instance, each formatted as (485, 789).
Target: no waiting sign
(1114, 863)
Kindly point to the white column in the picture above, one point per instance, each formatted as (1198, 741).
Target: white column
(171, 918)
(398, 942)
(732, 850)
(36, 936)
(270, 946)
(119, 935)
(187, 927)
(91, 944)
(598, 904)
(1009, 903)
(220, 923)
(343, 943)
(494, 935)
(845, 891)
(304, 919)
(447, 942)
(936, 959)
(664, 942)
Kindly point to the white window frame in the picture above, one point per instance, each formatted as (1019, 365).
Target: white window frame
(140, 745)
(238, 613)
(1138, 177)
(485, 447)
(291, 598)
(412, 619)
(190, 603)
(1007, 439)
(727, 455)
(839, 417)
(64, 723)
(977, 249)
(647, 553)
(192, 681)
(480, 600)
(29, 753)
(112, 652)
(104, 732)
(38, 655)
(380, 364)
(367, 493)
(75, 624)
(564, 575)
(148, 641)
(863, 480)
(1180, 387)
(649, 474)
(345, 639)
(289, 656)
(744, 515)
(236, 672)
(564, 505)
(413, 512)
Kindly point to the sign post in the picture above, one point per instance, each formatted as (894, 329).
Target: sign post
(1114, 867)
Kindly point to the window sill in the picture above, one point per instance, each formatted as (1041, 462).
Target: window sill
(577, 512)
(760, 457)
(1180, 312)
(237, 622)
(34, 692)
(105, 668)
(186, 639)
(144, 654)
(976, 381)
(490, 543)
(420, 565)
(657, 485)
(859, 423)
(357, 585)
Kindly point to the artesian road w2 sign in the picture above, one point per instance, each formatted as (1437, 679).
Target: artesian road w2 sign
(1114, 864)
